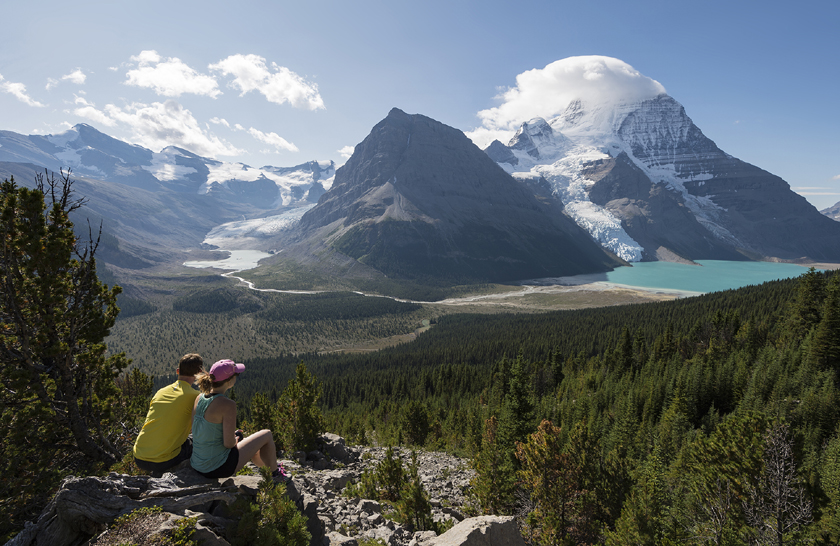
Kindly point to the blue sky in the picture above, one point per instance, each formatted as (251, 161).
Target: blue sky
(281, 83)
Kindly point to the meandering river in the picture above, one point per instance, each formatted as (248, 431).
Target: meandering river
(683, 279)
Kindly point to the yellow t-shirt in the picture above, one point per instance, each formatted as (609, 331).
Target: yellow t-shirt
(167, 424)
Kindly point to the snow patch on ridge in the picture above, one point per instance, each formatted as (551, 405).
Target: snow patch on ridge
(164, 166)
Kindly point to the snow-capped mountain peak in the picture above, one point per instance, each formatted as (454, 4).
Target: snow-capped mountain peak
(632, 168)
(537, 139)
(91, 153)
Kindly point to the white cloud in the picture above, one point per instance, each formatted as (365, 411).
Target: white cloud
(169, 77)
(77, 76)
(836, 177)
(278, 84)
(273, 139)
(220, 121)
(19, 91)
(347, 151)
(88, 110)
(547, 92)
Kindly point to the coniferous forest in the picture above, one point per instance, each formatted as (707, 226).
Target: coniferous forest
(706, 420)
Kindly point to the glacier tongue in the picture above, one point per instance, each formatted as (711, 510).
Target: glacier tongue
(547, 153)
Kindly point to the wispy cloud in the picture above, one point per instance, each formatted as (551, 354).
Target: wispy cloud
(77, 76)
(277, 83)
(812, 192)
(273, 139)
(169, 77)
(836, 177)
(19, 91)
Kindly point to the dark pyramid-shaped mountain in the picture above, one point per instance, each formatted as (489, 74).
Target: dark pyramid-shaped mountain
(419, 200)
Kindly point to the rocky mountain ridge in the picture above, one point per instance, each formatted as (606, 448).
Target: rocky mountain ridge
(93, 154)
(84, 507)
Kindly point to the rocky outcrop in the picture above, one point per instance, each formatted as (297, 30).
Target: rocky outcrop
(84, 507)
(480, 531)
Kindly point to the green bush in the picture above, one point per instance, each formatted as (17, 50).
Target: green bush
(273, 520)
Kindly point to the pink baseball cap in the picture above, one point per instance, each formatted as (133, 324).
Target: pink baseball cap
(224, 369)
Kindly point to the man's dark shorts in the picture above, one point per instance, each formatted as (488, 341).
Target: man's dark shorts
(159, 468)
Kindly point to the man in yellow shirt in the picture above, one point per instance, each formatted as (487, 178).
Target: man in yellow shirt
(164, 439)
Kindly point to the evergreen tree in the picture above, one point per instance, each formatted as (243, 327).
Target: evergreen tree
(390, 476)
(299, 417)
(554, 482)
(415, 423)
(493, 486)
(516, 417)
(825, 344)
(647, 518)
(624, 350)
(58, 384)
(414, 506)
(604, 483)
(806, 309)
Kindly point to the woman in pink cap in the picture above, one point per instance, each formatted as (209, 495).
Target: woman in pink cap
(219, 449)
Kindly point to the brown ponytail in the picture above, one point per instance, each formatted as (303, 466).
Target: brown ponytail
(206, 382)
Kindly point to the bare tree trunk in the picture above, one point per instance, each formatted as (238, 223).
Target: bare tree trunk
(777, 508)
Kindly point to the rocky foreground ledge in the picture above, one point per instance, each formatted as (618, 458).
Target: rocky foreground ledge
(84, 507)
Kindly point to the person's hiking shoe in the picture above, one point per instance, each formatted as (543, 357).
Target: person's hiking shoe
(281, 474)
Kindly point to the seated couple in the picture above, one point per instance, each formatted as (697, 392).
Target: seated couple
(216, 449)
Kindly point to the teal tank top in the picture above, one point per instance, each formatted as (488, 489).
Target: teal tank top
(209, 451)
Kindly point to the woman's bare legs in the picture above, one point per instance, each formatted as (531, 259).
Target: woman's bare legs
(259, 448)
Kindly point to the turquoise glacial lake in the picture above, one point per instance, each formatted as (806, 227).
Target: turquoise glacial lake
(709, 276)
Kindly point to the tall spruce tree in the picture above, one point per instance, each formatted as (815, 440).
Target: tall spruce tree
(516, 417)
(825, 344)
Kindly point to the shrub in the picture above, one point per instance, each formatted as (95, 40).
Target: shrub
(273, 520)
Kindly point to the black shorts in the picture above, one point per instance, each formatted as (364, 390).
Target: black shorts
(159, 468)
(227, 469)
